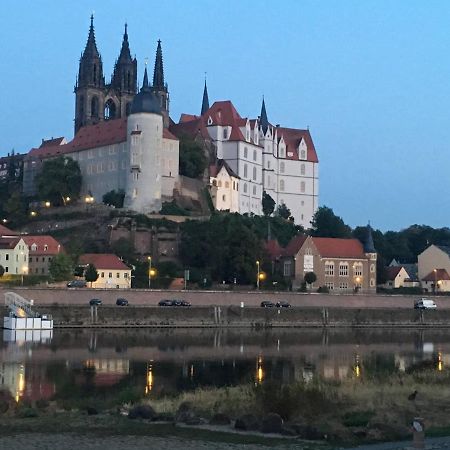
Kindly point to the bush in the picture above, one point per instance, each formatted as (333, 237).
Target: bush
(172, 209)
(357, 418)
(323, 290)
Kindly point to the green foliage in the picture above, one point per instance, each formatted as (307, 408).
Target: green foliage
(192, 158)
(357, 418)
(61, 267)
(323, 290)
(268, 204)
(59, 178)
(326, 224)
(124, 248)
(15, 206)
(91, 274)
(310, 277)
(283, 211)
(172, 209)
(2, 271)
(113, 198)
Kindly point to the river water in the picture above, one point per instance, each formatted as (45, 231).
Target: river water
(148, 361)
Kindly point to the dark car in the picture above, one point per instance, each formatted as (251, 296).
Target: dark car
(95, 302)
(122, 302)
(267, 304)
(283, 304)
(166, 303)
(184, 303)
(76, 284)
(178, 302)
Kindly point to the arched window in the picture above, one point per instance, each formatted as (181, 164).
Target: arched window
(302, 169)
(245, 187)
(94, 107)
(254, 173)
(302, 186)
(245, 170)
(110, 110)
(245, 152)
(254, 190)
(303, 154)
(254, 155)
(128, 80)
(281, 185)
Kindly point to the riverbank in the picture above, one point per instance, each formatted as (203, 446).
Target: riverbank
(106, 316)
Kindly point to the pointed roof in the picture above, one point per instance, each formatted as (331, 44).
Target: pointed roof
(45, 245)
(106, 261)
(440, 274)
(392, 271)
(125, 54)
(295, 245)
(158, 74)
(205, 101)
(145, 80)
(6, 232)
(263, 118)
(368, 243)
(91, 46)
(146, 101)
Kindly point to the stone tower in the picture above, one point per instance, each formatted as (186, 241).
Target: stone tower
(159, 88)
(96, 101)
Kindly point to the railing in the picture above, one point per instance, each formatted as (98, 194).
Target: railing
(19, 306)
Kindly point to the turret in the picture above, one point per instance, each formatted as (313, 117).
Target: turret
(160, 88)
(205, 100)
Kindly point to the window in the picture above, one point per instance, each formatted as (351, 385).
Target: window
(6, 269)
(103, 275)
(110, 275)
(329, 285)
(343, 286)
(245, 152)
(372, 282)
(302, 186)
(329, 269)
(358, 269)
(254, 190)
(224, 198)
(245, 187)
(219, 184)
(245, 170)
(125, 275)
(372, 268)
(117, 275)
(7, 257)
(254, 173)
(45, 247)
(303, 154)
(302, 169)
(227, 184)
(343, 269)
(281, 185)
(282, 167)
(268, 164)
(254, 155)
(287, 268)
(225, 133)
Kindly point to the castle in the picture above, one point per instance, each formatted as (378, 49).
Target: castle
(125, 139)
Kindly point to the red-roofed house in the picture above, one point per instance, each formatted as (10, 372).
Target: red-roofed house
(224, 187)
(395, 277)
(112, 271)
(433, 268)
(342, 265)
(438, 280)
(41, 251)
(14, 255)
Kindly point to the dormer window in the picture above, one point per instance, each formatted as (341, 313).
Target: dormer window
(45, 247)
(210, 121)
(33, 247)
(303, 154)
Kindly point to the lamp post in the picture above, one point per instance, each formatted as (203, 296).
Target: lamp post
(149, 272)
(435, 281)
(257, 275)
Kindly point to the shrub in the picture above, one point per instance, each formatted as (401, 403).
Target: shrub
(323, 290)
(357, 418)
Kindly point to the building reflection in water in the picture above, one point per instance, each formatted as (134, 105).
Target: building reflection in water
(107, 372)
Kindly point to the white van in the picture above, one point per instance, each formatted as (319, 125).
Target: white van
(425, 303)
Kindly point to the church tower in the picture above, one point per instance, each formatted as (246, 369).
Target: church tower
(89, 88)
(159, 88)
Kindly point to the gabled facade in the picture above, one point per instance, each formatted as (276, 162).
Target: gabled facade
(396, 277)
(113, 273)
(14, 255)
(224, 187)
(41, 251)
(434, 267)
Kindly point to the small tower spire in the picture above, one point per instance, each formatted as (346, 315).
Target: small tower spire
(158, 74)
(145, 81)
(205, 101)
(263, 117)
(369, 247)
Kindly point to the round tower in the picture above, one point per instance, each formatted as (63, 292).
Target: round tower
(144, 138)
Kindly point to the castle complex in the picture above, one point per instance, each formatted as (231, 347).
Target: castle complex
(126, 140)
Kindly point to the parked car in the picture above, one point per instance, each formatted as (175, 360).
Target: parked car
(165, 303)
(76, 284)
(178, 302)
(267, 304)
(122, 302)
(283, 304)
(425, 303)
(95, 302)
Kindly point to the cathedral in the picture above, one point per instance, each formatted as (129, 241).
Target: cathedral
(125, 140)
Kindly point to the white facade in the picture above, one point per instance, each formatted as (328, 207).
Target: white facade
(225, 191)
(15, 260)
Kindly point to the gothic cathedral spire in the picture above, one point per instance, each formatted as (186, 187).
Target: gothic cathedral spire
(124, 79)
(205, 101)
(159, 87)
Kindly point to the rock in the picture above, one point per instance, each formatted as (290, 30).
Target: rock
(91, 411)
(142, 412)
(272, 423)
(220, 419)
(247, 422)
(308, 432)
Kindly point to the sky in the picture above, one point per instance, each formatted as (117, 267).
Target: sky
(371, 80)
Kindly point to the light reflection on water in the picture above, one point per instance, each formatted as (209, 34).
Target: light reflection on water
(89, 362)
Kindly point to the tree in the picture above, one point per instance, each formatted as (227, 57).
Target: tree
(192, 158)
(2, 271)
(124, 248)
(59, 178)
(326, 224)
(310, 277)
(91, 274)
(283, 211)
(61, 267)
(268, 204)
(113, 198)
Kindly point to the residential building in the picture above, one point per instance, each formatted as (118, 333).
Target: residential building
(434, 268)
(112, 271)
(342, 265)
(14, 255)
(41, 251)
(396, 276)
(224, 187)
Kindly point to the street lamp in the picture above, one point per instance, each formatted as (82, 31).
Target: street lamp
(257, 275)
(435, 281)
(24, 272)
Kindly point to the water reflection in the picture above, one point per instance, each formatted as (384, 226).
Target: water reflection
(107, 362)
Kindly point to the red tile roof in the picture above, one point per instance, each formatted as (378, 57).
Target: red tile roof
(339, 248)
(292, 137)
(52, 141)
(106, 261)
(7, 232)
(392, 272)
(441, 274)
(9, 242)
(236, 134)
(295, 245)
(168, 135)
(273, 249)
(53, 246)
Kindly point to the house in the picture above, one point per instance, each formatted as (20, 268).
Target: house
(395, 277)
(13, 255)
(112, 271)
(224, 187)
(41, 250)
(342, 265)
(434, 267)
